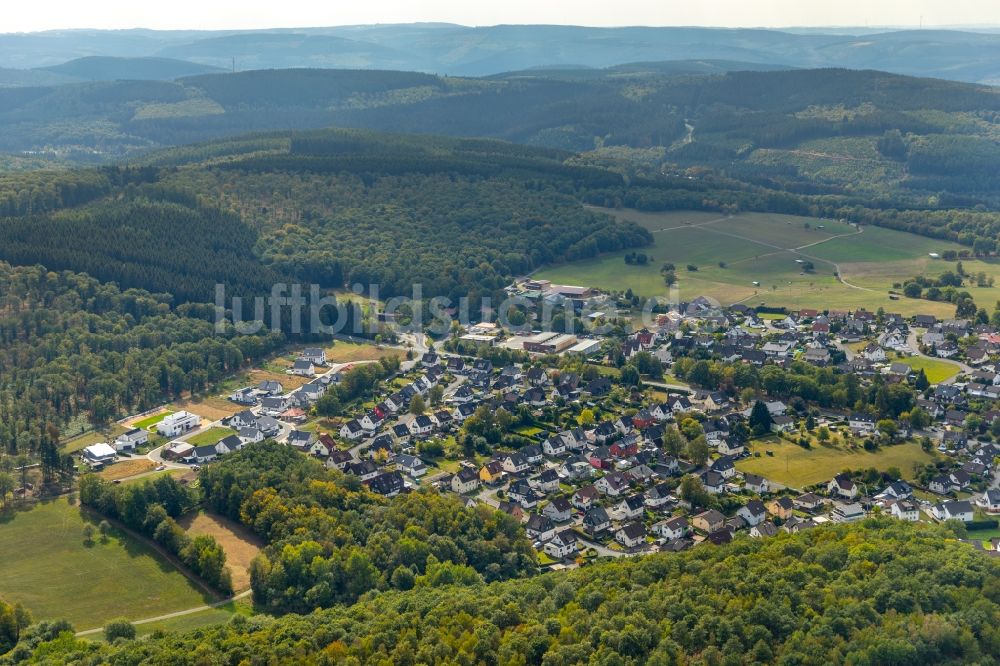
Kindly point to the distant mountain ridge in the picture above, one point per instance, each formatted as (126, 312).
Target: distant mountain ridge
(115, 68)
(482, 51)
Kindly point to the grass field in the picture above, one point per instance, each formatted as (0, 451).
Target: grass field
(48, 567)
(343, 351)
(762, 247)
(937, 370)
(210, 436)
(199, 620)
(149, 421)
(240, 544)
(796, 467)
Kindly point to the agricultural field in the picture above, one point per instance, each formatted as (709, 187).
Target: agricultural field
(731, 253)
(239, 543)
(797, 467)
(48, 567)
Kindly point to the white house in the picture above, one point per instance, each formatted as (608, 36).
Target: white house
(753, 512)
(847, 513)
(671, 529)
(631, 535)
(178, 423)
(954, 510)
(352, 430)
(303, 368)
(562, 545)
(905, 509)
(989, 501)
(314, 355)
(842, 486)
(98, 455)
(128, 441)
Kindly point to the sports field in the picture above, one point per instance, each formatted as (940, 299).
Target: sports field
(49, 568)
(732, 253)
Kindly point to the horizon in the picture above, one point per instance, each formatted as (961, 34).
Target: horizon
(188, 15)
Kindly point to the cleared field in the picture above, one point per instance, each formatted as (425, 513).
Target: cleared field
(347, 352)
(796, 467)
(288, 382)
(210, 436)
(937, 370)
(92, 437)
(213, 408)
(763, 248)
(126, 468)
(240, 544)
(48, 567)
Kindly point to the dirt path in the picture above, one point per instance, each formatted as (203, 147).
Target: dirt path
(170, 616)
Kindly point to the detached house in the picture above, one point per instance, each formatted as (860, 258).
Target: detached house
(562, 545)
(842, 486)
(631, 535)
(465, 481)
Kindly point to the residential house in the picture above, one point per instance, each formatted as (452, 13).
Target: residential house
(954, 510)
(753, 512)
(465, 481)
(596, 520)
(905, 509)
(709, 521)
(631, 535)
(540, 527)
(847, 512)
(842, 486)
(178, 423)
(756, 484)
(303, 368)
(558, 510)
(492, 472)
(782, 507)
(130, 440)
(412, 466)
(388, 484)
(673, 528)
(585, 497)
(562, 545)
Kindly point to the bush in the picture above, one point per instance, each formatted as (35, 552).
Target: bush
(986, 524)
(119, 628)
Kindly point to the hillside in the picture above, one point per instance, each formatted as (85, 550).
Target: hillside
(105, 68)
(839, 132)
(883, 592)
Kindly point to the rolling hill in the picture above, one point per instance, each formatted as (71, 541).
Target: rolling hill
(106, 68)
(486, 50)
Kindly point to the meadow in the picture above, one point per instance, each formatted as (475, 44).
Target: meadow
(937, 370)
(732, 253)
(49, 568)
(797, 467)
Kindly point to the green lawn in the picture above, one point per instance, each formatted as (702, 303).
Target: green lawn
(797, 467)
(937, 370)
(763, 247)
(210, 436)
(149, 421)
(199, 620)
(48, 568)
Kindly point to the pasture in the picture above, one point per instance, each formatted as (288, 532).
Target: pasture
(731, 253)
(797, 467)
(48, 567)
(343, 351)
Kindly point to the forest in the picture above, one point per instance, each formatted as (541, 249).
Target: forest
(72, 346)
(330, 540)
(880, 592)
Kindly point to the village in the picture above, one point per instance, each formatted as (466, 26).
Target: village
(676, 434)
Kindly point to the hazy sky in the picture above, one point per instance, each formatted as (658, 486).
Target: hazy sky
(29, 15)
